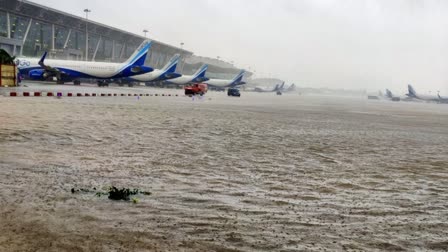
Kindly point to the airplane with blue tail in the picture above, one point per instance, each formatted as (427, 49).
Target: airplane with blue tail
(69, 70)
(166, 73)
(197, 77)
(219, 83)
(433, 98)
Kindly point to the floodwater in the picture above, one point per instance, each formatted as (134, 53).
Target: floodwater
(256, 173)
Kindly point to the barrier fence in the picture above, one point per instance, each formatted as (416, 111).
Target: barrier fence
(71, 94)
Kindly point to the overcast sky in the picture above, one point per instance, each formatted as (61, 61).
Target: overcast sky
(365, 44)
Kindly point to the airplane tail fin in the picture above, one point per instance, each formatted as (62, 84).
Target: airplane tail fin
(170, 67)
(200, 73)
(41, 61)
(282, 86)
(411, 91)
(292, 87)
(238, 78)
(389, 93)
(139, 56)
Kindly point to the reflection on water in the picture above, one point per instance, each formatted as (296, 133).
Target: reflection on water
(259, 173)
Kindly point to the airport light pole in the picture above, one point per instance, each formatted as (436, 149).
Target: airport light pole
(87, 34)
(145, 31)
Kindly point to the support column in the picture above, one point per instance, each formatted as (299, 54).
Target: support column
(68, 37)
(26, 35)
(52, 37)
(122, 51)
(8, 24)
(113, 50)
(96, 49)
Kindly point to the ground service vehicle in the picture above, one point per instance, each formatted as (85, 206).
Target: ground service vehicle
(233, 92)
(196, 89)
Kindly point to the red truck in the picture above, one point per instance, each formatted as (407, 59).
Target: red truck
(196, 89)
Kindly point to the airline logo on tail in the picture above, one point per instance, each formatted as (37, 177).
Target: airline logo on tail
(170, 67)
(389, 94)
(135, 63)
(411, 92)
(199, 76)
(238, 79)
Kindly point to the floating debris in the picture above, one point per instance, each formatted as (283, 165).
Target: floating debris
(114, 193)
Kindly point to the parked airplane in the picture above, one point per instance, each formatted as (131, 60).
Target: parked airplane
(166, 73)
(219, 83)
(197, 77)
(291, 88)
(277, 88)
(69, 70)
(391, 97)
(413, 94)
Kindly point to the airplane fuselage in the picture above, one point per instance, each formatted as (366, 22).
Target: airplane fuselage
(76, 69)
(183, 80)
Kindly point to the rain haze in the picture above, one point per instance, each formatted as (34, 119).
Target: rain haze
(100, 152)
(335, 44)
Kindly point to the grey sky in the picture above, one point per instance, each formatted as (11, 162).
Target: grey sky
(372, 44)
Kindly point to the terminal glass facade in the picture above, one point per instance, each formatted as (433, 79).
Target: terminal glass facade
(3, 24)
(29, 29)
(19, 25)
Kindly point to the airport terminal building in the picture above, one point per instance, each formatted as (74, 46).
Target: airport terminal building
(29, 29)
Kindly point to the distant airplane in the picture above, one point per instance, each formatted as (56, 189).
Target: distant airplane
(277, 88)
(197, 77)
(69, 70)
(236, 81)
(391, 97)
(166, 73)
(434, 98)
(291, 88)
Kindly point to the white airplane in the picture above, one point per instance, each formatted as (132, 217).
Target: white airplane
(227, 83)
(166, 73)
(389, 95)
(197, 77)
(291, 88)
(277, 88)
(413, 94)
(69, 70)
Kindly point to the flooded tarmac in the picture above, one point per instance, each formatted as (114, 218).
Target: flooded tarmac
(256, 173)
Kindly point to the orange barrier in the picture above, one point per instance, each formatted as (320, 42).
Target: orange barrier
(59, 94)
